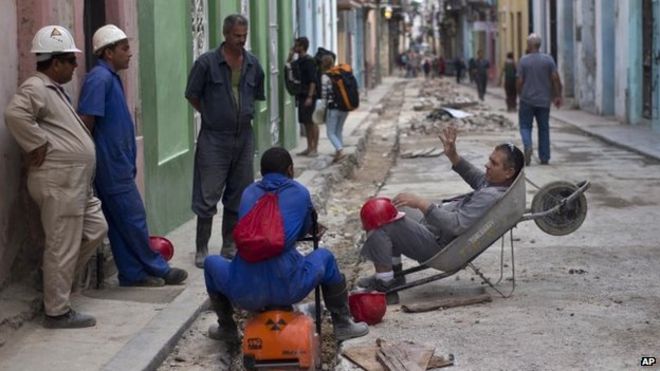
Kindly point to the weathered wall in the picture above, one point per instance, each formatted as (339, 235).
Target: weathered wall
(605, 55)
(621, 60)
(586, 62)
(11, 158)
(566, 46)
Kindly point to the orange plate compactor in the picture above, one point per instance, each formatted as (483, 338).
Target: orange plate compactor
(284, 339)
(281, 339)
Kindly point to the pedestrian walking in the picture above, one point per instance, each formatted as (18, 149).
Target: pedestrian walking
(508, 76)
(459, 67)
(61, 161)
(225, 144)
(538, 85)
(480, 74)
(305, 101)
(427, 68)
(103, 108)
(335, 118)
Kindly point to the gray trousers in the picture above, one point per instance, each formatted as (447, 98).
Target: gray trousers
(223, 169)
(409, 236)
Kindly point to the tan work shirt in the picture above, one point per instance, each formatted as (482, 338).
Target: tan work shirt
(41, 113)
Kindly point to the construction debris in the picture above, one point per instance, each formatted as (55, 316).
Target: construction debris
(446, 303)
(395, 356)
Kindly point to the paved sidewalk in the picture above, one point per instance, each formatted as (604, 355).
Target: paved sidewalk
(637, 138)
(137, 327)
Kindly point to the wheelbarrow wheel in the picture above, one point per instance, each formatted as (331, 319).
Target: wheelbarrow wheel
(568, 218)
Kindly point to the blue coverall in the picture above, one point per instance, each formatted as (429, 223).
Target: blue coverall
(283, 280)
(102, 96)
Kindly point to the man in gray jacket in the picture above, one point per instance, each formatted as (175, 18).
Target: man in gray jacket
(427, 227)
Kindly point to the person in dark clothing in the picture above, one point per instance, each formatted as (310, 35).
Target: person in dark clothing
(508, 76)
(427, 68)
(223, 86)
(480, 74)
(305, 101)
(459, 67)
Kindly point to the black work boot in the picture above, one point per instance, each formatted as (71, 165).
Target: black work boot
(336, 300)
(70, 319)
(226, 329)
(204, 227)
(229, 220)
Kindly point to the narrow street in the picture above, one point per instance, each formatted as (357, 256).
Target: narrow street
(587, 300)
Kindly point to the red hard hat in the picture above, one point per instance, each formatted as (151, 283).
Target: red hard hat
(378, 211)
(367, 307)
(163, 246)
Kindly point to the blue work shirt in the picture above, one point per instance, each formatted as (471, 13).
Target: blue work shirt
(210, 82)
(285, 279)
(102, 96)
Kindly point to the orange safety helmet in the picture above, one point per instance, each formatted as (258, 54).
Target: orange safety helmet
(378, 211)
(163, 246)
(369, 307)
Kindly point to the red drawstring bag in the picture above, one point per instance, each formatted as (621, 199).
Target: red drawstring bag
(259, 235)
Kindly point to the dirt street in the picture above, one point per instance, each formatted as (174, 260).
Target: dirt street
(588, 300)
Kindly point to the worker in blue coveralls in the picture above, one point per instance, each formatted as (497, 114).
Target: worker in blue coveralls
(103, 109)
(287, 278)
(223, 86)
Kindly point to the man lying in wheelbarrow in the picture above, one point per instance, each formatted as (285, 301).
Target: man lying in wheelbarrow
(284, 279)
(428, 227)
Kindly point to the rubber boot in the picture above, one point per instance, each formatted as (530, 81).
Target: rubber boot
(204, 227)
(226, 329)
(229, 220)
(336, 301)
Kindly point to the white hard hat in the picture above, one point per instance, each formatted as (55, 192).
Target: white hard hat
(53, 40)
(107, 35)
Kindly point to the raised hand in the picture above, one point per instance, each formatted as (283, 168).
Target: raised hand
(448, 139)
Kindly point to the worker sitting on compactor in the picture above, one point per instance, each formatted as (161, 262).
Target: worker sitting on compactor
(287, 278)
(426, 227)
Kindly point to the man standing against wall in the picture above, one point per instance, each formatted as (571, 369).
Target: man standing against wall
(305, 101)
(61, 162)
(538, 85)
(223, 85)
(104, 110)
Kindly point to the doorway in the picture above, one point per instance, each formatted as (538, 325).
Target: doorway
(94, 17)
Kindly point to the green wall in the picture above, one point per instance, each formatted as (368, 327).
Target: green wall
(288, 123)
(165, 59)
(259, 45)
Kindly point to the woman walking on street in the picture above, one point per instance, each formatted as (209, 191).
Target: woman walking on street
(335, 118)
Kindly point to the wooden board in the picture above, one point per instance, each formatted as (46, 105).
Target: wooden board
(445, 303)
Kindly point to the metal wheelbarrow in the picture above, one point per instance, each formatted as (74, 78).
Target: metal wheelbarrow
(559, 208)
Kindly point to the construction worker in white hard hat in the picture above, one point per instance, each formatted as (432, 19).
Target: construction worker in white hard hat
(61, 162)
(102, 106)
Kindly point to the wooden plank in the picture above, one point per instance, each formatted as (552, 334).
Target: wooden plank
(363, 356)
(404, 355)
(445, 303)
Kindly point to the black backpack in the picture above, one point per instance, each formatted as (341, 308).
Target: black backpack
(345, 89)
(293, 78)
